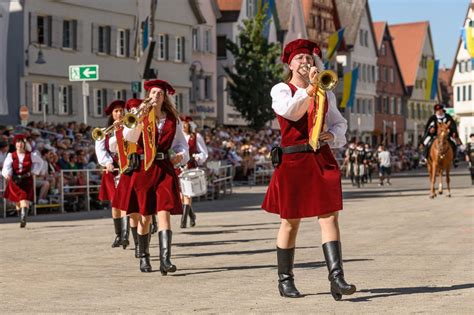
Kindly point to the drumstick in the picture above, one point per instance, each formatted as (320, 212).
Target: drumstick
(114, 170)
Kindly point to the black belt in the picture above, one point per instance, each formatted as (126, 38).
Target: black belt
(305, 147)
(159, 156)
(18, 177)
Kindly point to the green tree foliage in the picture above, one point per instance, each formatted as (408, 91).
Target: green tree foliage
(256, 70)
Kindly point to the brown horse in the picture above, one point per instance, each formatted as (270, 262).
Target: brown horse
(440, 158)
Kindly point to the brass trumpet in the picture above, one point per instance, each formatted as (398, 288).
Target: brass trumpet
(130, 120)
(326, 79)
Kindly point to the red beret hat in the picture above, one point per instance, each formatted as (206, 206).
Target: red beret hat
(299, 46)
(19, 137)
(165, 86)
(438, 107)
(114, 104)
(133, 103)
(186, 118)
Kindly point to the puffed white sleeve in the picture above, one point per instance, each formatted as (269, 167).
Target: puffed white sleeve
(203, 154)
(103, 157)
(286, 105)
(180, 145)
(337, 124)
(132, 135)
(37, 163)
(7, 169)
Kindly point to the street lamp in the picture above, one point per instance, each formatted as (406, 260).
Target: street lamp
(194, 79)
(39, 58)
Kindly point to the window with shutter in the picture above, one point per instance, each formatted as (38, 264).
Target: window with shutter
(63, 100)
(121, 43)
(178, 52)
(67, 34)
(161, 47)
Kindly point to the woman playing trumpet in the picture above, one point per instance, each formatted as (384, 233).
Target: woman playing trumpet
(306, 183)
(155, 185)
(109, 160)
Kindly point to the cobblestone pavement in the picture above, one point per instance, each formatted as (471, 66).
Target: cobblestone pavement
(405, 252)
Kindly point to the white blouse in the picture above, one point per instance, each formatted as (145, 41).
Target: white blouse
(179, 144)
(203, 154)
(294, 107)
(37, 164)
(103, 157)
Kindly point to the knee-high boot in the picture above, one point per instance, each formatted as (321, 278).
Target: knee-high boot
(154, 225)
(333, 256)
(192, 217)
(165, 252)
(23, 215)
(135, 240)
(286, 282)
(118, 232)
(184, 216)
(125, 231)
(143, 253)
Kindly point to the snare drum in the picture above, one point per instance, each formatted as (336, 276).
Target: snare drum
(193, 182)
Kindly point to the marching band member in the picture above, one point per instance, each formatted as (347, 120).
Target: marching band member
(109, 160)
(197, 157)
(156, 185)
(18, 168)
(306, 183)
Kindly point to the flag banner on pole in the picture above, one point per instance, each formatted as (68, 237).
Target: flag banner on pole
(431, 88)
(334, 42)
(350, 86)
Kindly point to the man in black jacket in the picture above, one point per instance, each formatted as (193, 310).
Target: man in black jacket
(440, 116)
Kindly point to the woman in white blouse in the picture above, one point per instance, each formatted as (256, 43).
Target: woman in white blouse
(18, 168)
(197, 157)
(306, 183)
(155, 186)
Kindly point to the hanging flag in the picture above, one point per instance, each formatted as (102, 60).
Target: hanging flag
(145, 34)
(334, 42)
(350, 86)
(469, 40)
(431, 79)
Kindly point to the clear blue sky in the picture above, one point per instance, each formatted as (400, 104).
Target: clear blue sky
(446, 18)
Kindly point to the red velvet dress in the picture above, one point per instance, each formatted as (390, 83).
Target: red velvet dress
(24, 189)
(305, 184)
(107, 183)
(157, 188)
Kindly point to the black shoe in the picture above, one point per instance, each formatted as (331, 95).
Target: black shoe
(333, 257)
(135, 241)
(125, 233)
(23, 215)
(165, 252)
(143, 253)
(286, 282)
(192, 217)
(118, 231)
(154, 224)
(184, 216)
(455, 163)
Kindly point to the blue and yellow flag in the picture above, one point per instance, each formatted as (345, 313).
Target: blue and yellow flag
(431, 79)
(334, 42)
(350, 86)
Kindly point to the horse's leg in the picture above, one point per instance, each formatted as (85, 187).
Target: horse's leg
(448, 181)
(433, 180)
(440, 184)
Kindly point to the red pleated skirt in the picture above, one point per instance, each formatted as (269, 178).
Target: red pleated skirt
(157, 189)
(21, 191)
(122, 197)
(304, 185)
(107, 187)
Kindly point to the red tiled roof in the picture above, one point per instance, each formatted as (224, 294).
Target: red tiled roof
(408, 41)
(379, 27)
(229, 5)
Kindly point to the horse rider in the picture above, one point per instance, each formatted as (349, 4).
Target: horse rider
(431, 128)
(470, 155)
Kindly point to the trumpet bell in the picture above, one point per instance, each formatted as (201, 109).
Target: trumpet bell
(130, 120)
(98, 134)
(327, 80)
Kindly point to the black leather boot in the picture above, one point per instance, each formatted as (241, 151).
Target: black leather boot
(143, 253)
(184, 216)
(125, 234)
(286, 282)
(154, 224)
(333, 256)
(23, 215)
(165, 252)
(118, 232)
(192, 217)
(135, 240)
